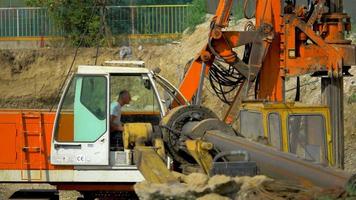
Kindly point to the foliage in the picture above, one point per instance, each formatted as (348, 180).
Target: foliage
(352, 98)
(147, 2)
(353, 27)
(239, 10)
(12, 3)
(78, 18)
(197, 13)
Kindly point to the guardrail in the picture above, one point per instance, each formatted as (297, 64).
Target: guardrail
(133, 20)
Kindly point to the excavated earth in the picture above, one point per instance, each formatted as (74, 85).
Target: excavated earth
(220, 187)
(31, 78)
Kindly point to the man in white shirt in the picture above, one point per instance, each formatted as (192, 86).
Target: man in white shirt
(116, 126)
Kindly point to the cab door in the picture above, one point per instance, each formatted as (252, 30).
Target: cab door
(81, 130)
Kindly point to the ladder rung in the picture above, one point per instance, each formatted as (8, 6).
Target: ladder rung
(31, 131)
(33, 134)
(33, 162)
(30, 164)
(30, 115)
(35, 149)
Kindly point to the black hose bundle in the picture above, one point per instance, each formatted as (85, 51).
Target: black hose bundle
(224, 80)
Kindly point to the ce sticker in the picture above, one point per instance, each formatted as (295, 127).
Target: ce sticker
(80, 158)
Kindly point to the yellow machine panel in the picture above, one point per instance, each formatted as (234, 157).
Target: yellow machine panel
(300, 129)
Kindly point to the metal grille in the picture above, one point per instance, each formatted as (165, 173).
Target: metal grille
(155, 19)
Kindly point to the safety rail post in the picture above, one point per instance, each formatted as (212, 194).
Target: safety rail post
(17, 23)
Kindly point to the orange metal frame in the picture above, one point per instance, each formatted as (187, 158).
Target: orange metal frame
(287, 54)
(26, 140)
(26, 137)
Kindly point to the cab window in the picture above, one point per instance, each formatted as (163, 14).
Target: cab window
(307, 137)
(144, 105)
(251, 124)
(83, 113)
(142, 94)
(274, 130)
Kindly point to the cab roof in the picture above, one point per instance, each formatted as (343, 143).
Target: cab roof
(277, 105)
(89, 69)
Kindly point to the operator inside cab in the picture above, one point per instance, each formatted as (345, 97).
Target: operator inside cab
(116, 127)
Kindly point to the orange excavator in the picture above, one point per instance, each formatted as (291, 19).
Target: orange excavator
(287, 40)
(72, 148)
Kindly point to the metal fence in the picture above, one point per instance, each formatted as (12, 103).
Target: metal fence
(20, 22)
(155, 19)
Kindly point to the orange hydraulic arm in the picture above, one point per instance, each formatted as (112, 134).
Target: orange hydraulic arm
(190, 83)
(285, 43)
(220, 45)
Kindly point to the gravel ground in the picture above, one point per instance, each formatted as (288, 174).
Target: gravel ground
(350, 153)
(6, 190)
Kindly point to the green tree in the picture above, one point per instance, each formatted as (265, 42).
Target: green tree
(197, 13)
(147, 2)
(239, 11)
(84, 23)
(78, 18)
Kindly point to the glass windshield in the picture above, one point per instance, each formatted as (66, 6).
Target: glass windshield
(143, 98)
(274, 128)
(170, 95)
(251, 125)
(307, 136)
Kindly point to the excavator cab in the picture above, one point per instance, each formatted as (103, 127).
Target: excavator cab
(303, 130)
(81, 135)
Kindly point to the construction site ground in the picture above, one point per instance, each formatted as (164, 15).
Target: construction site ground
(30, 78)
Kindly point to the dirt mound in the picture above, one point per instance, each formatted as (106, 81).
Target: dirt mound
(31, 78)
(18, 61)
(224, 187)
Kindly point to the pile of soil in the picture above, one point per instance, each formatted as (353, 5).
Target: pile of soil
(32, 78)
(220, 187)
